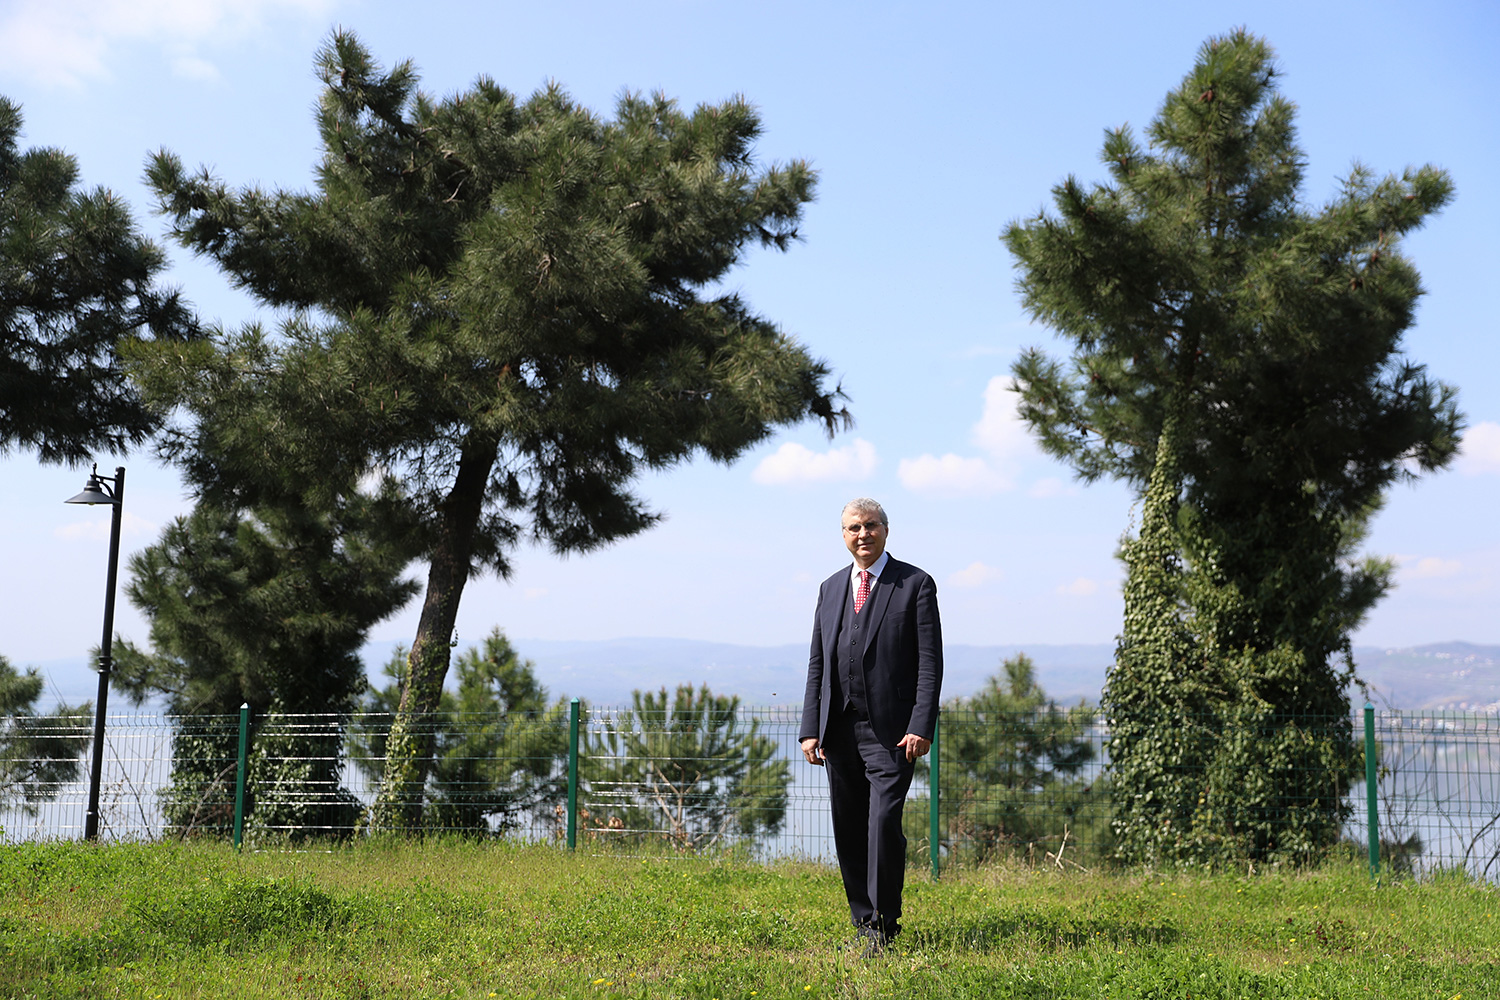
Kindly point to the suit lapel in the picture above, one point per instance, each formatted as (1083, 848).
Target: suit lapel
(832, 613)
(880, 599)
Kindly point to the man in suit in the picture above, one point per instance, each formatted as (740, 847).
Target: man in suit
(873, 679)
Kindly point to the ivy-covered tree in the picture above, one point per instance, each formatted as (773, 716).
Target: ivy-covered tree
(500, 750)
(689, 769)
(1012, 763)
(39, 753)
(76, 278)
(267, 608)
(1237, 358)
(510, 307)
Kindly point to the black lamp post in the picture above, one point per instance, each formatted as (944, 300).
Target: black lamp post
(110, 490)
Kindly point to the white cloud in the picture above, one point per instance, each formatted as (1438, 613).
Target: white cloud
(97, 529)
(1000, 430)
(534, 593)
(1081, 587)
(976, 574)
(1000, 433)
(794, 463)
(63, 44)
(1480, 451)
(953, 475)
(1431, 567)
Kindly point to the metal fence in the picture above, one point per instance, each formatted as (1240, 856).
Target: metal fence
(615, 778)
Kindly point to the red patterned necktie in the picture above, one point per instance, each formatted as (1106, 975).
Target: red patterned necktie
(862, 594)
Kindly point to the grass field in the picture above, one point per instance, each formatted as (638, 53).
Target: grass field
(495, 920)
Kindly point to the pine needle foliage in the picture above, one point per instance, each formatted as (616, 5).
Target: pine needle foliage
(506, 306)
(76, 278)
(1236, 357)
(689, 768)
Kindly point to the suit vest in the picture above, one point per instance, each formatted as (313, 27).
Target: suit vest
(851, 673)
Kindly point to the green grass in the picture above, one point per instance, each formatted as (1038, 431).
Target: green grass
(482, 920)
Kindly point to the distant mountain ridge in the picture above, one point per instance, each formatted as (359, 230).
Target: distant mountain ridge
(1451, 675)
(1441, 676)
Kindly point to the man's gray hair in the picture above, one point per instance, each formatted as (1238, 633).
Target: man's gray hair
(866, 506)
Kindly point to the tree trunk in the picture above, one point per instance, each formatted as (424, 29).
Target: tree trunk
(410, 745)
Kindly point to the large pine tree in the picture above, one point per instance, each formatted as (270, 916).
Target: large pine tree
(509, 307)
(1237, 358)
(76, 278)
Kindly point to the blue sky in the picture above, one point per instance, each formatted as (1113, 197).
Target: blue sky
(932, 126)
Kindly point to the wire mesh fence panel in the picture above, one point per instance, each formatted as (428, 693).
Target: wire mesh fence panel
(136, 767)
(702, 774)
(194, 781)
(41, 762)
(296, 784)
(705, 776)
(487, 774)
(1438, 792)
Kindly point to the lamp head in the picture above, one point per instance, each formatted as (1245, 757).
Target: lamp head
(94, 491)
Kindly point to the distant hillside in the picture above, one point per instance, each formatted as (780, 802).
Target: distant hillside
(1450, 675)
(1453, 675)
(1446, 675)
(607, 672)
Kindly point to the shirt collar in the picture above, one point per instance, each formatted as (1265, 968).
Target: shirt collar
(875, 568)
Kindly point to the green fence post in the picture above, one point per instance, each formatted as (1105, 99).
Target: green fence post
(1371, 774)
(239, 778)
(934, 775)
(573, 774)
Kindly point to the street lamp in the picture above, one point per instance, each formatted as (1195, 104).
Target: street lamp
(99, 490)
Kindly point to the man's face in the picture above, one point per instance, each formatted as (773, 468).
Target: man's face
(865, 536)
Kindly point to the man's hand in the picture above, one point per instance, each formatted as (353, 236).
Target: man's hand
(916, 746)
(812, 751)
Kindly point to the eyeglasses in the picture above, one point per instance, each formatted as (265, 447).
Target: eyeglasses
(870, 526)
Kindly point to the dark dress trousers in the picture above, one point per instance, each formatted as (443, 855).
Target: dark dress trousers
(873, 677)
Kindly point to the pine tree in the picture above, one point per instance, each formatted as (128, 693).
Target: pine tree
(268, 609)
(505, 306)
(688, 767)
(75, 281)
(1237, 358)
(1011, 763)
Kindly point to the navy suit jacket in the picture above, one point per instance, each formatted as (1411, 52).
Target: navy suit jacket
(903, 653)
